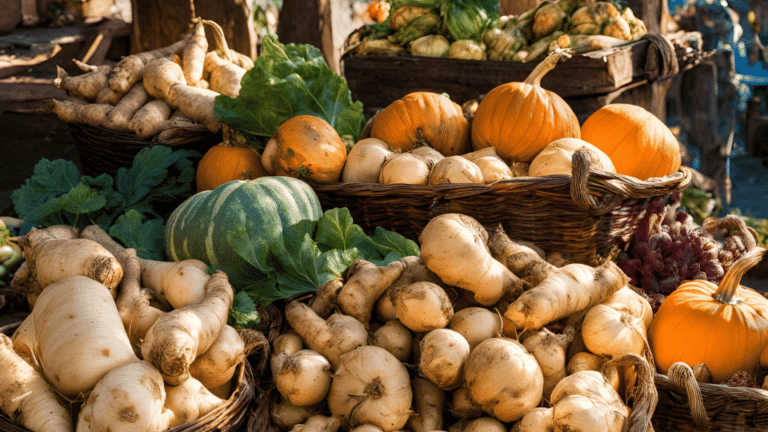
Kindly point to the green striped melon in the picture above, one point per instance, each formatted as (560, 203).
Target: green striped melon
(230, 227)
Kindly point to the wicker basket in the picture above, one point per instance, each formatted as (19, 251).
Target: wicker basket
(587, 218)
(686, 405)
(231, 416)
(103, 150)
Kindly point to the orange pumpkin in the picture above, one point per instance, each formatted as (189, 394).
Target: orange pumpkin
(305, 147)
(639, 144)
(225, 162)
(423, 118)
(378, 10)
(725, 326)
(519, 119)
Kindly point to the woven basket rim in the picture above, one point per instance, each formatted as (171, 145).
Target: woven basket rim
(718, 390)
(190, 133)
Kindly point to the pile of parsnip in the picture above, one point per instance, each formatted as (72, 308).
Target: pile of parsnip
(479, 333)
(157, 91)
(118, 342)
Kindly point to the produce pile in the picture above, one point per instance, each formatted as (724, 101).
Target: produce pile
(473, 30)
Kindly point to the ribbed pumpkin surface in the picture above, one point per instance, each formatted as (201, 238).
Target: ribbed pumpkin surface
(638, 143)
(228, 227)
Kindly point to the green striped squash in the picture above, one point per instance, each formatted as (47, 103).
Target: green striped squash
(230, 227)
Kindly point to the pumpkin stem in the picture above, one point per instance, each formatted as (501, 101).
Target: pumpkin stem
(545, 66)
(727, 290)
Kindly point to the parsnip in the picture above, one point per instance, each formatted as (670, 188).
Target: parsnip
(444, 353)
(303, 378)
(326, 296)
(520, 259)
(149, 120)
(87, 85)
(130, 69)
(423, 306)
(135, 311)
(189, 401)
(365, 283)
(119, 117)
(394, 337)
(285, 415)
(428, 403)
(193, 54)
(318, 423)
(216, 366)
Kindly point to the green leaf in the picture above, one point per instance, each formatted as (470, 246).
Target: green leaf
(243, 313)
(286, 81)
(388, 241)
(336, 230)
(133, 230)
(83, 199)
(49, 180)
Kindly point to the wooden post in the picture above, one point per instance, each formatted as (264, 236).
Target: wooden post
(324, 24)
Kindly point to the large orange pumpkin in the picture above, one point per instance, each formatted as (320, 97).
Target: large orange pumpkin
(519, 119)
(423, 118)
(725, 326)
(306, 147)
(227, 161)
(639, 144)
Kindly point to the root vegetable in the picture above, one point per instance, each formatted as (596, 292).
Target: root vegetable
(394, 337)
(423, 306)
(476, 324)
(119, 117)
(367, 428)
(318, 423)
(365, 284)
(333, 337)
(493, 169)
(612, 333)
(225, 76)
(536, 420)
(455, 169)
(179, 336)
(550, 351)
(87, 85)
(557, 158)
(130, 69)
(415, 271)
(24, 282)
(77, 335)
(572, 288)
(585, 360)
(149, 120)
(304, 377)
(73, 111)
(629, 301)
(585, 401)
(326, 297)
(196, 103)
(405, 168)
(193, 54)
(428, 152)
(160, 75)
(485, 424)
(428, 403)
(129, 398)
(462, 406)
(444, 353)
(25, 396)
(135, 310)
(190, 401)
(285, 415)
(216, 366)
(67, 110)
(483, 152)
(365, 160)
(176, 284)
(504, 378)
(454, 247)
(287, 344)
(520, 259)
(371, 386)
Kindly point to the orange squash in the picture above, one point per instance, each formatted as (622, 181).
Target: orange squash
(305, 147)
(639, 144)
(423, 118)
(225, 162)
(724, 326)
(519, 119)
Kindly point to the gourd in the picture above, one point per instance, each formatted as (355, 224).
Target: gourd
(228, 161)
(639, 144)
(519, 119)
(222, 225)
(724, 326)
(423, 118)
(306, 147)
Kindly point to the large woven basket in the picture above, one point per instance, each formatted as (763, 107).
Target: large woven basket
(686, 405)
(103, 150)
(230, 417)
(587, 217)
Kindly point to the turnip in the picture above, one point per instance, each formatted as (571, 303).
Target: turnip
(365, 283)
(423, 306)
(455, 169)
(483, 152)
(318, 423)
(394, 337)
(367, 428)
(549, 349)
(135, 310)
(504, 378)
(611, 333)
(76, 335)
(371, 386)
(536, 420)
(444, 353)
(585, 360)
(303, 377)
(285, 415)
(365, 159)
(428, 152)
(493, 169)
(476, 324)
(217, 365)
(428, 403)
(324, 300)
(585, 401)
(485, 424)
(333, 337)
(415, 271)
(129, 398)
(287, 343)
(462, 405)
(179, 336)
(25, 396)
(521, 259)
(454, 247)
(189, 401)
(406, 168)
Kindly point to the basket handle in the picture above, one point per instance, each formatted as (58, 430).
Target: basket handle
(682, 376)
(580, 170)
(644, 394)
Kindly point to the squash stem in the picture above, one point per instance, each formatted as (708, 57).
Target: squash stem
(728, 289)
(545, 66)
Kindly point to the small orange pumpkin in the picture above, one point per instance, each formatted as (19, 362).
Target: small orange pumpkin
(639, 144)
(519, 119)
(423, 118)
(725, 326)
(305, 147)
(225, 162)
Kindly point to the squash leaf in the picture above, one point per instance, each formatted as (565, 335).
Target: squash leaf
(134, 230)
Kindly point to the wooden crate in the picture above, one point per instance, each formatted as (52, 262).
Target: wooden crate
(586, 81)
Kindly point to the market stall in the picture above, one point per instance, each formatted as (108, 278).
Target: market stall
(472, 222)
